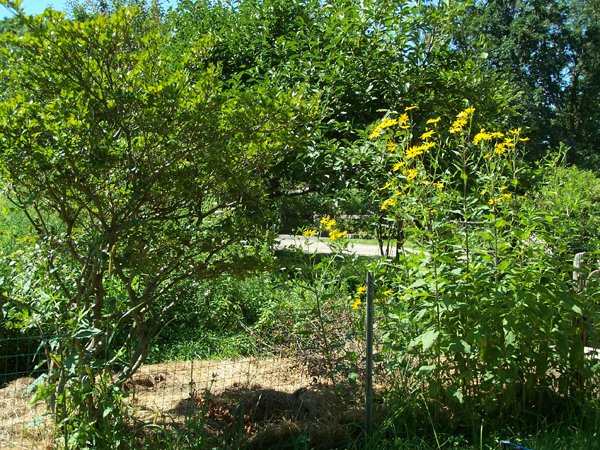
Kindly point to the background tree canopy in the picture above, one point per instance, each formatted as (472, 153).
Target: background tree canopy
(362, 58)
(550, 50)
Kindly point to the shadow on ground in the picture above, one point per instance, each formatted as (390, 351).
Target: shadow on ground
(319, 416)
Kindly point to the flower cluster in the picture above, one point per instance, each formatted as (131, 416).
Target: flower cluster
(427, 134)
(501, 147)
(336, 234)
(410, 174)
(385, 123)
(413, 170)
(485, 136)
(417, 150)
(461, 121)
(498, 200)
(399, 165)
(328, 224)
(388, 203)
(359, 293)
(402, 120)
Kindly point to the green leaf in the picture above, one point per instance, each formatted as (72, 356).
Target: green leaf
(456, 393)
(460, 347)
(87, 333)
(503, 265)
(509, 337)
(39, 381)
(428, 339)
(426, 370)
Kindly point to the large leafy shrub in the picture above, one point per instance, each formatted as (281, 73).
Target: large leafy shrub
(139, 166)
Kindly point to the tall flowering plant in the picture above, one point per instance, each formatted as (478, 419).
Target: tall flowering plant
(480, 306)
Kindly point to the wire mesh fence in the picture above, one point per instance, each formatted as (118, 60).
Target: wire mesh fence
(268, 387)
(20, 363)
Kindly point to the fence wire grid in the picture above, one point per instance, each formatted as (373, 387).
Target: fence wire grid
(266, 387)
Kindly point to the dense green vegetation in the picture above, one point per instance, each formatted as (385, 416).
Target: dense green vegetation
(149, 157)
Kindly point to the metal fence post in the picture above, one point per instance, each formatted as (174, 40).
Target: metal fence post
(369, 368)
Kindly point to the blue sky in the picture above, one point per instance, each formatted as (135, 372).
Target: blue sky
(37, 6)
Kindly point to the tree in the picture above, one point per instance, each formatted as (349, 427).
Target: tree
(139, 165)
(551, 52)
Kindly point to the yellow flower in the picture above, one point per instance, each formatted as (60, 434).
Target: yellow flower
(387, 203)
(481, 136)
(387, 122)
(427, 134)
(428, 145)
(391, 146)
(410, 108)
(388, 185)
(376, 132)
(487, 155)
(397, 166)
(433, 121)
(403, 119)
(485, 136)
(515, 131)
(309, 233)
(388, 292)
(458, 125)
(496, 201)
(410, 174)
(500, 149)
(356, 304)
(361, 290)
(336, 234)
(328, 223)
(462, 118)
(439, 185)
(413, 152)
(509, 142)
(525, 139)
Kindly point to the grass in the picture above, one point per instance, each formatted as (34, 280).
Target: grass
(574, 433)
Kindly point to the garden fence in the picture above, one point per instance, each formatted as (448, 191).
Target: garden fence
(269, 387)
